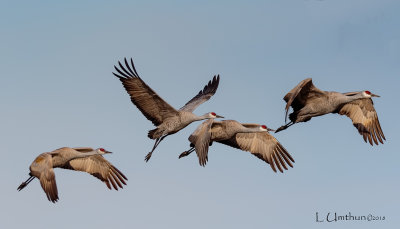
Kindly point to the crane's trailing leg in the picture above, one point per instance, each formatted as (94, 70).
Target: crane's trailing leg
(186, 153)
(284, 127)
(158, 140)
(24, 184)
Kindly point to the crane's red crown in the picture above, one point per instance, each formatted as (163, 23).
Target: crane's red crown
(264, 126)
(101, 149)
(368, 92)
(214, 114)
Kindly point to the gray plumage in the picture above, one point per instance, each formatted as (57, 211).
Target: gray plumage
(79, 159)
(308, 101)
(253, 138)
(167, 119)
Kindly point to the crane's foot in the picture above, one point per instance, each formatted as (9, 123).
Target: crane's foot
(148, 156)
(184, 154)
(23, 185)
(281, 128)
(284, 127)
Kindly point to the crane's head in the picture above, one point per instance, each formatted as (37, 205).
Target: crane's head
(265, 128)
(368, 94)
(102, 151)
(214, 115)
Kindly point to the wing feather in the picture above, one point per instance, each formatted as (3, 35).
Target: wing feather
(100, 168)
(42, 168)
(279, 156)
(264, 146)
(203, 95)
(287, 160)
(276, 161)
(201, 138)
(365, 119)
(298, 96)
(153, 107)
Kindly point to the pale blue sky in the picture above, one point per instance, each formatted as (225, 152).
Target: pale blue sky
(57, 90)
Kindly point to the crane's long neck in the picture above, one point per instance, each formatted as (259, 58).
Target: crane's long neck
(189, 117)
(337, 99)
(351, 98)
(61, 159)
(91, 153)
(249, 130)
(201, 117)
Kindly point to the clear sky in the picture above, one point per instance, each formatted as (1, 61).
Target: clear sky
(57, 90)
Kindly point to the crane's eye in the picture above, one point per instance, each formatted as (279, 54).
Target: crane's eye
(101, 149)
(367, 92)
(213, 114)
(264, 126)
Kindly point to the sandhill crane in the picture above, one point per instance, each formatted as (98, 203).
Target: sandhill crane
(248, 137)
(79, 159)
(308, 101)
(167, 119)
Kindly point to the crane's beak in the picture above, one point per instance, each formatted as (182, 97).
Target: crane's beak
(219, 116)
(373, 95)
(269, 129)
(107, 151)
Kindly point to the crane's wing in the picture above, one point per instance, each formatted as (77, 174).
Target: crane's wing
(203, 95)
(299, 95)
(365, 119)
(153, 107)
(264, 146)
(99, 167)
(83, 149)
(42, 167)
(200, 138)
